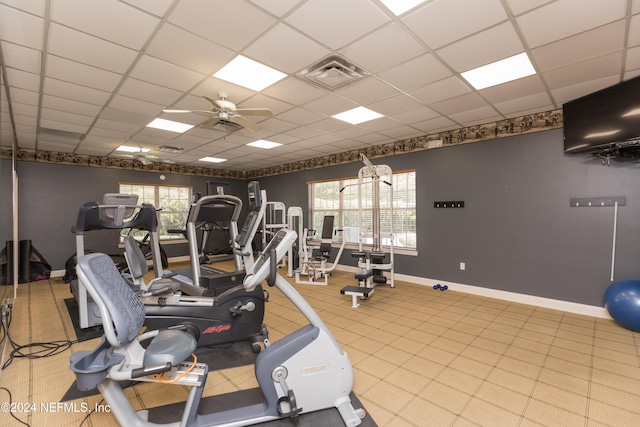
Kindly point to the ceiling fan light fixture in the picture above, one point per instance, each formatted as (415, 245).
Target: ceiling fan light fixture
(248, 73)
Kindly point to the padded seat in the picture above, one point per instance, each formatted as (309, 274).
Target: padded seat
(170, 345)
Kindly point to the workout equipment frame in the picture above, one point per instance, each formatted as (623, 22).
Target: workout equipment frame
(303, 372)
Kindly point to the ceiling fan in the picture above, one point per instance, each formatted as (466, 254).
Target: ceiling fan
(142, 156)
(226, 111)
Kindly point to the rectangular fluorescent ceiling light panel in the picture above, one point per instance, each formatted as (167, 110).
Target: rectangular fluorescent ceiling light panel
(212, 160)
(249, 73)
(169, 125)
(261, 143)
(129, 149)
(357, 115)
(505, 70)
(398, 7)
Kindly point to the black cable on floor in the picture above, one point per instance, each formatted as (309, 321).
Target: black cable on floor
(8, 407)
(37, 350)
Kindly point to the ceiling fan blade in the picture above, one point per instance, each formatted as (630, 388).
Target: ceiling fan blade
(255, 112)
(221, 104)
(244, 122)
(189, 111)
(210, 123)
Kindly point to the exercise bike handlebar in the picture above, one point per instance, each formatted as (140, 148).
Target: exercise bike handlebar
(276, 249)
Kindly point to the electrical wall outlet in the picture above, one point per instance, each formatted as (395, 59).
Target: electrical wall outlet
(463, 266)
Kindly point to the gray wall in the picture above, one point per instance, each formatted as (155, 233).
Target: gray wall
(50, 196)
(517, 231)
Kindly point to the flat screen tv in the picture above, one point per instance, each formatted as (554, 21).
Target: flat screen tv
(607, 121)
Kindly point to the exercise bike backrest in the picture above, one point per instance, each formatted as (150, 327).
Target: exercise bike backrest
(121, 310)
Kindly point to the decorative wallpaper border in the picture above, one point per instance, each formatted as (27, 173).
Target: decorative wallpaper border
(530, 123)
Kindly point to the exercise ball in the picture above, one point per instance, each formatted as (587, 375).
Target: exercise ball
(622, 301)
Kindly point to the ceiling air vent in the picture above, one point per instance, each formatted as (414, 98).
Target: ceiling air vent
(170, 149)
(227, 126)
(332, 73)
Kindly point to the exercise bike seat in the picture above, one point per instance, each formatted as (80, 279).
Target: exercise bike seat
(138, 267)
(169, 346)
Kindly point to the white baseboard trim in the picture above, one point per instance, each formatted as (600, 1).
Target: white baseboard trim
(568, 306)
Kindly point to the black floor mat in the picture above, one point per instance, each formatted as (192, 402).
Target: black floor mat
(326, 418)
(74, 313)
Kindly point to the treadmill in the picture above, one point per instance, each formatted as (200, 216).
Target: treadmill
(203, 280)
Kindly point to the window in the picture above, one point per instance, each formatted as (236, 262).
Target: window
(327, 199)
(173, 202)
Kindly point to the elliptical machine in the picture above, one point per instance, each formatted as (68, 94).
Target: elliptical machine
(232, 315)
(303, 372)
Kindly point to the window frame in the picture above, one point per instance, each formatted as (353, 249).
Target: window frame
(163, 212)
(403, 210)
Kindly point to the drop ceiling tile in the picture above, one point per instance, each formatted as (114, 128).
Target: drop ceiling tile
(133, 28)
(537, 100)
(165, 74)
(23, 79)
(378, 124)
(21, 96)
(124, 103)
(568, 93)
(300, 116)
(394, 105)
(520, 6)
(69, 105)
(590, 44)
(156, 7)
(286, 49)
(367, 91)
(415, 116)
(488, 46)
(336, 23)
(474, 116)
(566, 18)
(261, 101)
(278, 8)
(81, 74)
(123, 121)
(61, 89)
(276, 125)
(634, 31)
(330, 104)
(584, 71)
(435, 22)
(464, 102)
(185, 49)
(401, 132)
(513, 89)
(441, 90)
(67, 127)
(21, 28)
(294, 91)
(302, 132)
(52, 146)
(87, 49)
(149, 92)
(21, 58)
(384, 48)
(214, 21)
(66, 117)
(434, 125)
(633, 59)
(372, 139)
(329, 125)
(416, 73)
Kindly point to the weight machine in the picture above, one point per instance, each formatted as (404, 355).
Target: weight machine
(375, 262)
(313, 257)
